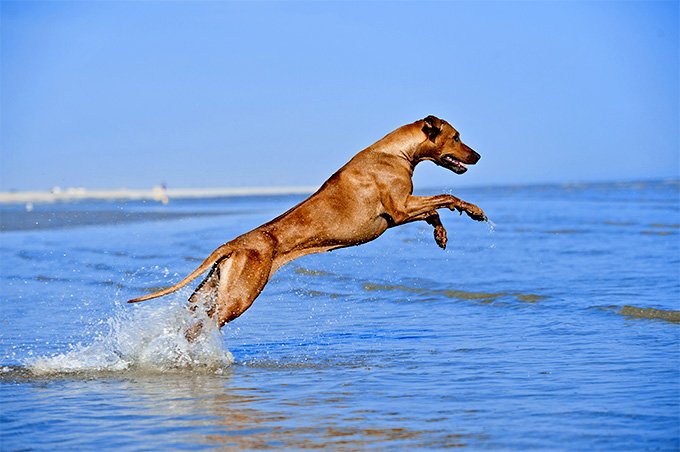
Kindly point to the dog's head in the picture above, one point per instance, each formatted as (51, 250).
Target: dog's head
(442, 145)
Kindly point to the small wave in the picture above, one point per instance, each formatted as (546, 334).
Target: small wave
(143, 338)
(317, 293)
(48, 279)
(456, 294)
(310, 272)
(660, 233)
(665, 225)
(566, 231)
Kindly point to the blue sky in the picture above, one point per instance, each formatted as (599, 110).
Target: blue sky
(238, 94)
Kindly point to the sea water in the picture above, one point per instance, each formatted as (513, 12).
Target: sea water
(557, 328)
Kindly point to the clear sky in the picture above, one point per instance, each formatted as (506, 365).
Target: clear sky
(238, 94)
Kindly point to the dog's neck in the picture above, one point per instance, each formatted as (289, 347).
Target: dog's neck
(409, 143)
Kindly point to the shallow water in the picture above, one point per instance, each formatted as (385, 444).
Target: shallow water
(557, 328)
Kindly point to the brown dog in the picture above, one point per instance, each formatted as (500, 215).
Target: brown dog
(371, 193)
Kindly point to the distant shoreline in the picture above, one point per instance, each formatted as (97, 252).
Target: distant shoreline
(158, 194)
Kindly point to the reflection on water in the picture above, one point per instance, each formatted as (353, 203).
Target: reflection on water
(193, 408)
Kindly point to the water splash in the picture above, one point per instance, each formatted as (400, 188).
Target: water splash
(144, 338)
(491, 230)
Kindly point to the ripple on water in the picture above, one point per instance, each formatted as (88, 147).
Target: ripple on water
(483, 297)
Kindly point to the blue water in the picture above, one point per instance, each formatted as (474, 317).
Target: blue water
(557, 328)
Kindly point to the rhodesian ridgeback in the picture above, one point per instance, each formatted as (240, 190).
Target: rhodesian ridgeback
(371, 193)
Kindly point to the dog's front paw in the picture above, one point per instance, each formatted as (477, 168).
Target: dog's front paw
(476, 213)
(440, 236)
(472, 211)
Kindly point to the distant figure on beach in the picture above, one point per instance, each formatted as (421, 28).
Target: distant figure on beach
(160, 194)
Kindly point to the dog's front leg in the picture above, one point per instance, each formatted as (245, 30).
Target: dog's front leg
(420, 207)
(439, 231)
(431, 218)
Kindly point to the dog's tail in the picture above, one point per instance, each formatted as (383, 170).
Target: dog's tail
(220, 253)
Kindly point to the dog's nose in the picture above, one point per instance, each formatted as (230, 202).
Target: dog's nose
(474, 156)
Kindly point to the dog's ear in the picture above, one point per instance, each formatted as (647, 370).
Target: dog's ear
(432, 126)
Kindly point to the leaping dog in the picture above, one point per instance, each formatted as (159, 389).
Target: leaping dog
(371, 193)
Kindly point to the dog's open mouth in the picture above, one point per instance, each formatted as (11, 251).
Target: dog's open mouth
(452, 163)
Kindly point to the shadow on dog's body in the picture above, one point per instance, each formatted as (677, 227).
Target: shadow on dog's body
(371, 193)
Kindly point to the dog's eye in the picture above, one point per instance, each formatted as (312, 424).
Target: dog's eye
(456, 138)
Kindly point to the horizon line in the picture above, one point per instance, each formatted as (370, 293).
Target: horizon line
(163, 195)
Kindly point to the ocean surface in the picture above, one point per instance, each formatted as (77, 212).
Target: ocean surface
(555, 327)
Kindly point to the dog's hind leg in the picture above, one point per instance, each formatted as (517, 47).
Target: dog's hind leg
(232, 285)
(242, 278)
(205, 297)
(205, 293)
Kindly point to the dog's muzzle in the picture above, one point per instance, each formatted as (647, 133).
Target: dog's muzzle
(468, 156)
(452, 163)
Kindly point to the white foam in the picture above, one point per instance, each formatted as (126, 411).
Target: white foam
(144, 337)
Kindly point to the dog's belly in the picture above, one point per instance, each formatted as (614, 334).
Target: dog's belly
(327, 240)
(353, 233)
(317, 236)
